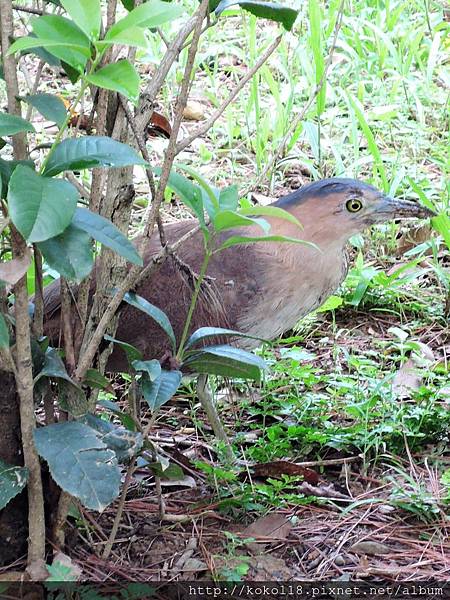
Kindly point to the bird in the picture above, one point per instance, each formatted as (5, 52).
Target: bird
(261, 289)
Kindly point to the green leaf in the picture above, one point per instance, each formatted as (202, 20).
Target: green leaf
(50, 106)
(4, 333)
(211, 194)
(240, 239)
(12, 481)
(106, 233)
(441, 224)
(69, 253)
(266, 10)
(131, 351)
(86, 152)
(371, 143)
(124, 443)
(315, 39)
(128, 4)
(330, 304)
(55, 28)
(124, 418)
(226, 361)
(86, 14)
(270, 211)
(54, 368)
(120, 77)
(204, 333)
(58, 47)
(228, 219)
(40, 207)
(190, 193)
(158, 392)
(149, 14)
(229, 198)
(6, 170)
(95, 379)
(11, 124)
(154, 312)
(151, 368)
(133, 36)
(80, 462)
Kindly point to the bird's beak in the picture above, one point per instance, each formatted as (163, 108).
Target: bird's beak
(396, 209)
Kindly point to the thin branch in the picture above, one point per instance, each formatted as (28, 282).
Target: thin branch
(28, 9)
(206, 125)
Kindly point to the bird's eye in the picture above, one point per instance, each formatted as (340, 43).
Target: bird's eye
(353, 205)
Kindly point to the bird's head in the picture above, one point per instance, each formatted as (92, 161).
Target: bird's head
(346, 206)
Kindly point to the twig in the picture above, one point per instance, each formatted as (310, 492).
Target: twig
(28, 9)
(66, 313)
(206, 125)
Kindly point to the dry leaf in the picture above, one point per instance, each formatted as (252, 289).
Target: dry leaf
(15, 269)
(273, 527)
(412, 237)
(194, 111)
(262, 200)
(371, 548)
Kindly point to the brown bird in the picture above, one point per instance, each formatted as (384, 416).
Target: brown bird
(261, 289)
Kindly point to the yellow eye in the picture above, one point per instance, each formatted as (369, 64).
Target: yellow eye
(353, 205)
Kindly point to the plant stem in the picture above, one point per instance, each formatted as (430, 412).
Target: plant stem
(194, 299)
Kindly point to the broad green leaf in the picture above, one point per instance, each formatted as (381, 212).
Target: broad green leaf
(211, 193)
(80, 462)
(131, 351)
(330, 304)
(86, 14)
(128, 4)
(54, 367)
(126, 420)
(4, 333)
(6, 170)
(77, 52)
(270, 211)
(40, 207)
(235, 240)
(149, 14)
(106, 233)
(50, 106)
(95, 379)
(228, 219)
(190, 193)
(204, 333)
(11, 124)
(229, 198)
(12, 481)
(69, 253)
(266, 10)
(86, 152)
(133, 36)
(226, 361)
(158, 392)
(151, 368)
(62, 30)
(154, 312)
(120, 77)
(124, 443)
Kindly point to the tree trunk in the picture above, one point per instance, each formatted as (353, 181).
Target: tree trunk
(13, 518)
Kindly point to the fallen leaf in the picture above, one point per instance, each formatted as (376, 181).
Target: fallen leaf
(194, 111)
(261, 199)
(412, 237)
(275, 526)
(15, 269)
(370, 548)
